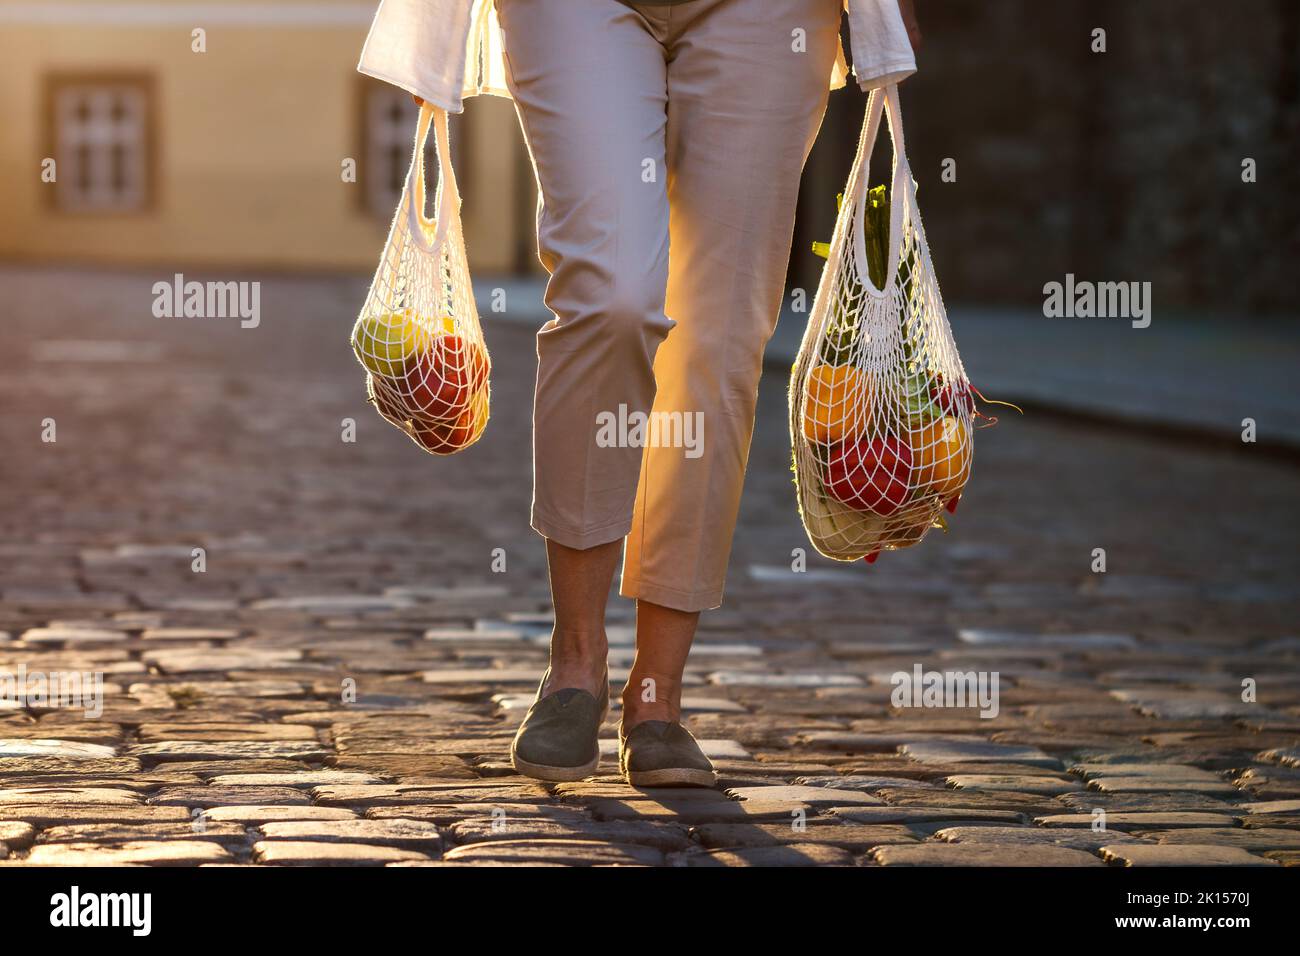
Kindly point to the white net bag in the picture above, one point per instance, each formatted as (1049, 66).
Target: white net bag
(418, 334)
(881, 411)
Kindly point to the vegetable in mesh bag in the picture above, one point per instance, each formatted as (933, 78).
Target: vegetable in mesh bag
(881, 411)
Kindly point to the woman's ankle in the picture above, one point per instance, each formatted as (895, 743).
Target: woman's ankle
(578, 659)
(651, 697)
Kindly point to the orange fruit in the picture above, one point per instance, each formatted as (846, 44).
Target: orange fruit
(838, 404)
(941, 453)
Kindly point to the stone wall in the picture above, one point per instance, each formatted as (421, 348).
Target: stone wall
(1123, 165)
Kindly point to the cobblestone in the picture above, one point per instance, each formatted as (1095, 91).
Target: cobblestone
(1187, 854)
(794, 854)
(231, 835)
(983, 854)
(565, 851)
(412, 834)
(1078, 839)
(848, 836)
(153, 853)
(340, 685)
(330, 853)
(662, 836)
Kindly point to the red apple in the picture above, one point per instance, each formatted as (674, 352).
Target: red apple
(442, 380)
(445, 438)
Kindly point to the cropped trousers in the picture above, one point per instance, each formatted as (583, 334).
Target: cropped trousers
(668, 143)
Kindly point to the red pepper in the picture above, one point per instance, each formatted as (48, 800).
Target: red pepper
(871, 474)
(948, 398)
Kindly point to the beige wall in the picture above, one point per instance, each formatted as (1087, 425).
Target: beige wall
(250, 137)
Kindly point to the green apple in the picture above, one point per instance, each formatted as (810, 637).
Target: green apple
(383, 343)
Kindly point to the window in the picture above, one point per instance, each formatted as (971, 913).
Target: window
(100, 135)
(387, 131)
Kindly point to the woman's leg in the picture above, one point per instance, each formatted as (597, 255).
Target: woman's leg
(579, 590)
(745, 102)
(747, 88)
(654, 687)
(590, 85)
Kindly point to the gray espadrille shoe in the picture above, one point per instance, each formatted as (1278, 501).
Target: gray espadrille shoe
(657, 753)
(558, 739)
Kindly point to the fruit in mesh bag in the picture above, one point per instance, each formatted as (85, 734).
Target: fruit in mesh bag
(382, 398)
(942, 452)
(870, 474)
(384, 343)
(837, 405)
(907, 535)
(444, 438)
(442, 380)
(838, 530)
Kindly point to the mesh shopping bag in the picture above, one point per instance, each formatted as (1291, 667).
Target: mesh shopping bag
(881, 411)
(418, 334)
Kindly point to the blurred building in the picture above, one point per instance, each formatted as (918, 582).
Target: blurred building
(227, 147)
(1117, 165)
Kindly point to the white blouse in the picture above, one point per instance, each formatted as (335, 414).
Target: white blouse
(445, 50)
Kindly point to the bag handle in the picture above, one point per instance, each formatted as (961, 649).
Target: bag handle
(882, 101)
(448, 198)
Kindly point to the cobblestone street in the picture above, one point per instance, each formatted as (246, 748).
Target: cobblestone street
(339, 684)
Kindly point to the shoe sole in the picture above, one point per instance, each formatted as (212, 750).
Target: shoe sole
(540, 771)
(672, 777)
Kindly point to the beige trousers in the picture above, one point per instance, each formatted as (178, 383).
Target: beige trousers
(668, 142)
